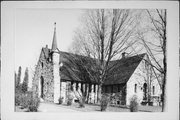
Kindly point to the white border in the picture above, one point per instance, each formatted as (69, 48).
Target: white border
(7, 37)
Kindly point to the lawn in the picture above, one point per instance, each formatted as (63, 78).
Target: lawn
(95, 108)
(51, 107)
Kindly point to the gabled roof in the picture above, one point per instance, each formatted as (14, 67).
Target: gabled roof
(74, 67)
(121, 70)
(46, 52)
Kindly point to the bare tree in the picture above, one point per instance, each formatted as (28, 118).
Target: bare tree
(104, 35)
(154, 41)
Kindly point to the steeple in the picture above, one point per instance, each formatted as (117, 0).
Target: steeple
(55, 61)
(54, 43)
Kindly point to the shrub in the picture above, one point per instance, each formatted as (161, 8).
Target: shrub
(60, 100)
(82, 102)
(18, 98)
(33, 105)
(104, 102)
(24, 100)
(33, 102)
(133, 104)
(27, 100)
(18, 95)
(70, 99)
(69, 102)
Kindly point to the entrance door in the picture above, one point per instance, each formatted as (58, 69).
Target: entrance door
(145, 91)
(42, 87)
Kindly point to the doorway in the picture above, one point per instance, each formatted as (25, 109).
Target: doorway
(145, 91)
(42, 87)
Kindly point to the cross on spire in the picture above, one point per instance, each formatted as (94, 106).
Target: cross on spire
(54, 43)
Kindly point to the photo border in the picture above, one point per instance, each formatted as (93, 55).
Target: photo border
(8, 12)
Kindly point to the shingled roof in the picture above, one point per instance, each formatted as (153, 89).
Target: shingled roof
(71, 70)
(121, 70)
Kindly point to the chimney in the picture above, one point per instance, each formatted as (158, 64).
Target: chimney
(123, 54)
(46, 46)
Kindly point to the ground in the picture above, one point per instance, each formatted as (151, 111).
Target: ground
(51, 107)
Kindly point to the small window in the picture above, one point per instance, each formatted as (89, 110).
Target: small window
(82, 87)
(42, 64)
(71, 86)
(112, 89)
(106, 89)
(90, 87)
(94, 87)
(118, 88)
(77, 86)
(135, 88)
(153, 90)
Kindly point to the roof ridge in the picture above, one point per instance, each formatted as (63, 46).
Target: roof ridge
(130, 57)
(142, 54)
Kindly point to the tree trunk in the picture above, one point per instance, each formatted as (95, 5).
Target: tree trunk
(99, 93)
(164, 106)
(164, 98)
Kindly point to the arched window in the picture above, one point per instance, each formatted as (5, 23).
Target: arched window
(42, 87)
(95, 88)
(77, 86)
(42, 64)
(135, 88)
(145, 91)
(153, 90)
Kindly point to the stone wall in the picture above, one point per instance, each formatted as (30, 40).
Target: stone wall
(140, 77)
(156, 93)
(44, 71)
(136, 81)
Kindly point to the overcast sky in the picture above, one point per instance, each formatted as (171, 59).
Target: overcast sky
(34, 29)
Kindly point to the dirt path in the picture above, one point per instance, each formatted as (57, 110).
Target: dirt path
(50, 107)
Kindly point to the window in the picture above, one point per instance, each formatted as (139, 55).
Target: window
(90, 87)
(82, 87)
(94, 87)
(77, 86)
(118, 88)
(42, 64)
(112, 89)
(106, 89)
(153, 90)
(135, 88)
(72, 86)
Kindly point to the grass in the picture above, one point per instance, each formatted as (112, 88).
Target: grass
(51, 107)
(96, 108)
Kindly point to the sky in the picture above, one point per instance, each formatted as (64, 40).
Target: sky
(34, 29)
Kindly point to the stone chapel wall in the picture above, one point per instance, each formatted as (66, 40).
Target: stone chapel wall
(44, 70)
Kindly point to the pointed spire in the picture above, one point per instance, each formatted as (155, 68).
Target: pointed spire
(54, 43)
